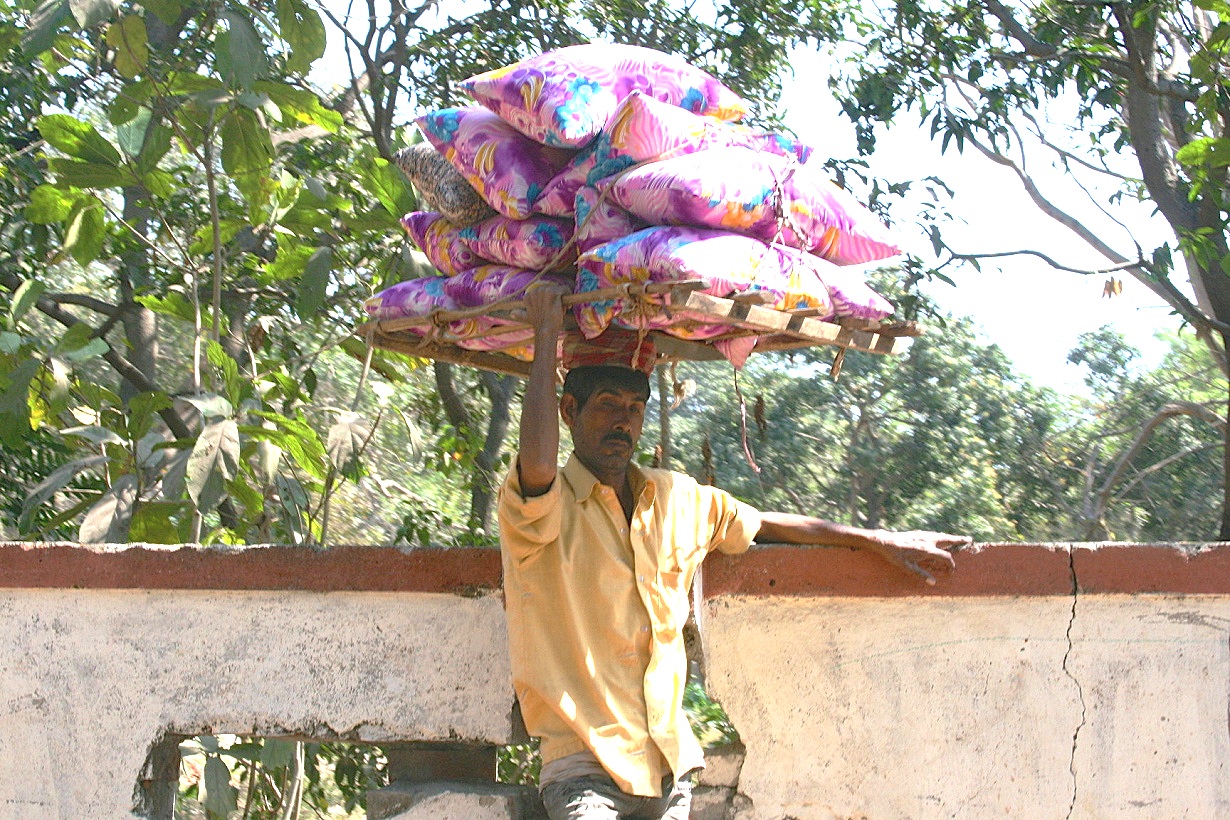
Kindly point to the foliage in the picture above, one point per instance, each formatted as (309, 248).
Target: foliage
(189, 227)
(949, 438)
(1126, 98)
(709, 720)
(1142, 460)
(231, 777)
(946, 437)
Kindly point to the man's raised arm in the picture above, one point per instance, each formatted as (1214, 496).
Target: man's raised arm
(921, 553)
(538, 452)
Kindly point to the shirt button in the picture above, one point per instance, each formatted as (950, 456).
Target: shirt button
(644, 629)
(641, 578)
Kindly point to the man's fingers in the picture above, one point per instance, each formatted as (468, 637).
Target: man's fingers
(918, 570)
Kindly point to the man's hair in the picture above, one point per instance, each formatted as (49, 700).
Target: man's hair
(582, 382)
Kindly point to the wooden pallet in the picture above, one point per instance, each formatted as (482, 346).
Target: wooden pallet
(745, 315)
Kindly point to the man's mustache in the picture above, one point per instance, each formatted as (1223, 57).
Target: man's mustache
(617, 436)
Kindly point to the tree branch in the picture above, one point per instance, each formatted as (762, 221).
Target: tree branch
(1185, 408)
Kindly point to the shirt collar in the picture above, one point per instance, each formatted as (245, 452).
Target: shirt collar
(584, 483)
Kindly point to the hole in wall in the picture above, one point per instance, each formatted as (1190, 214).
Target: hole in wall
(240, 776)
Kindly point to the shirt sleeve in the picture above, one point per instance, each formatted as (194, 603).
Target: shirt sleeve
(527, 524)
(735, 524)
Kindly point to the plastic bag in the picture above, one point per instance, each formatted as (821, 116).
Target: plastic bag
(565, 97)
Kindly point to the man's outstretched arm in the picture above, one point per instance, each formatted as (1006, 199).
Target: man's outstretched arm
(538, 450)
(921, 553)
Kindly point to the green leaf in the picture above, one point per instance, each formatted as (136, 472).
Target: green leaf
(387, 183)
(154, 522)
(131, 43)
(95, 434)
(123, 108)
(241, 56)
(314, 283)
(167, 11)
(214, 461)
(15, 401)
(74, 338)
(211, 405)
(160, 183)
(91, 349)
(290, 262)
(59, 478)
(243, 492)
(45, 21)
(86, 231)
(154, 147)
(204, 241)
(299, 105)
(107, 521)
(49, 204)
(10, 343)
(49, 392)
(297, 439)
(277, 753)
(24, 298)
(221, 797)
(77, 139)
(347, 440)
(173, 304)
(303, 29)
(247, 149)
(228, 367)
(89, 13)
(142, 409)
(84, 174)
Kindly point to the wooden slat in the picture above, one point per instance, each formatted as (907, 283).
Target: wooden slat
(483, 360)
(743, 315)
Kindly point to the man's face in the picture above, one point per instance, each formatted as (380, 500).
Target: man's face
(606, 428)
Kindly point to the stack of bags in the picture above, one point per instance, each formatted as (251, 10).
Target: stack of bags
(602, 165)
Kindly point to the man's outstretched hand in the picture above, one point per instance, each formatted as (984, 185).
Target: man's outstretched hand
(925, 554)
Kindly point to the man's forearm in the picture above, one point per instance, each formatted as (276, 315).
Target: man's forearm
(539, 430)
(919, 552)
(787, 528)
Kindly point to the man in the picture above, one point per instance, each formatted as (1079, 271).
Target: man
(598, 560)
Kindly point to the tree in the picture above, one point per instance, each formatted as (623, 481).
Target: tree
(1147, 84)
(1141, 464)
(945, 437)
(189, 228)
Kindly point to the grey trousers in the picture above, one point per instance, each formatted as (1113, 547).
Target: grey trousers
(585, 798)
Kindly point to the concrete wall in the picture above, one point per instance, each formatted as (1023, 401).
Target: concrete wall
(1048, 681)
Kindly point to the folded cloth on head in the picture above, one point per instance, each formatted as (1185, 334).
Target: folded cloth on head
(614, 348)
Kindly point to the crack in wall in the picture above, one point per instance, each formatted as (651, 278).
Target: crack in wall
(1080, 691)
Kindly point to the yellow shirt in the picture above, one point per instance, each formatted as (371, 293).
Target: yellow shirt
(596, 610)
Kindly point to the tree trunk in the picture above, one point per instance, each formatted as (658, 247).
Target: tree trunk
(158, 786)
(500, 389)
(1224, 531)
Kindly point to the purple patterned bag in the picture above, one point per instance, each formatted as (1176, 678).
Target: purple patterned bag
(726, 263)
(414, 298)
(537, 243)
(441, 242)
(508, 169)
(644, 129)
(763, 195)
(490, 284)
(600, 221)
(565, 97)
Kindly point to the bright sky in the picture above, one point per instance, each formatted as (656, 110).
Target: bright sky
(1032, 311)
